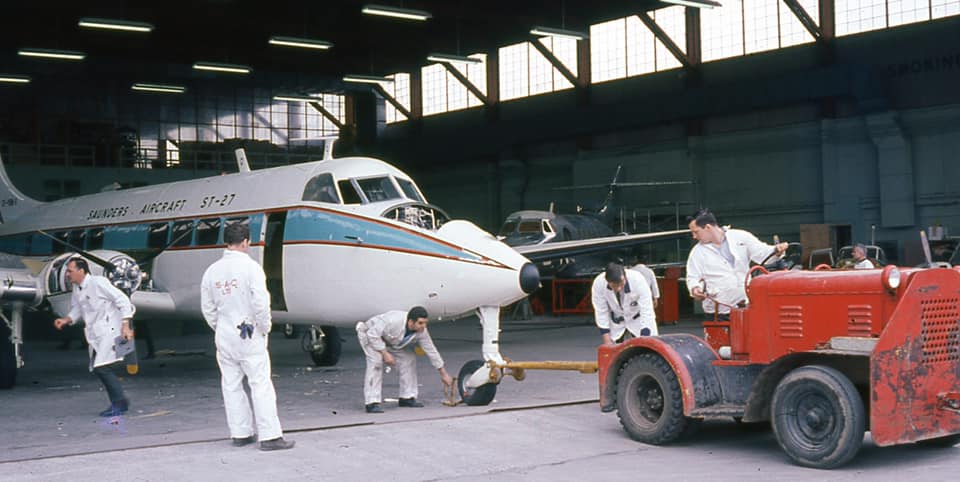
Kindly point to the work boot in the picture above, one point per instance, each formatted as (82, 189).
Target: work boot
(374, 408)
(117, 408)
(410, 403)
(276, 444)
(242, 442)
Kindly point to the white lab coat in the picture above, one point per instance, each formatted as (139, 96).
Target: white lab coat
(386, 332)
(864, 264)
(102, 308)
(634, 311)
(234, 290)
(724, 282)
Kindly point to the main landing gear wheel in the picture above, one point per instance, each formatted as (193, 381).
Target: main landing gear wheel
(649, 401)
(323, 344)
(818, 417)
(479, 396)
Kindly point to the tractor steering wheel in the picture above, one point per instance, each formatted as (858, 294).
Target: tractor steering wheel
(786, 261)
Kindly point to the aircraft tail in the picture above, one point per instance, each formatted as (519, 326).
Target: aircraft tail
(13, 203)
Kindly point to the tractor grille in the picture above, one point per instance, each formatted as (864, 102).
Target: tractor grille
(791, 321)
(940, 331)
(860, 318)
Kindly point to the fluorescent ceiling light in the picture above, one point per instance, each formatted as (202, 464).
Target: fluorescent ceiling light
(300, 42)
(404, 13)
(435, 57)
(106, 23)
(53, 54)
(219, 67)
(14, 79)
(559, 32)
(167, 89)
(297, 98)
(366, 79)
(694, 3)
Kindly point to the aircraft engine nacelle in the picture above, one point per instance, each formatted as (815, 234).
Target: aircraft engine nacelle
(125, 275)
(20, 287)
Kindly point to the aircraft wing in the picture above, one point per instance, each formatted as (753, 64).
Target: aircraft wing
(563, 249)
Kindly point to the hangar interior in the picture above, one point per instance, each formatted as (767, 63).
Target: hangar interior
(778, 113)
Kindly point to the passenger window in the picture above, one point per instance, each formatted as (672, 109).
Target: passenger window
(180, 236)
(378, 189)
(94, 238)
(157, 236)
(243, 220)
(350, 195)
(321, 189)
(208, 232)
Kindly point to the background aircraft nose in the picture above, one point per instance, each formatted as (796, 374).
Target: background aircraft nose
(529, 278)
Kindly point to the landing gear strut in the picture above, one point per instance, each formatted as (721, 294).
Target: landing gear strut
(323, 344)
(11, 338)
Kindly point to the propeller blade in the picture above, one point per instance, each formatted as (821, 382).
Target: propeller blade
(108, 266)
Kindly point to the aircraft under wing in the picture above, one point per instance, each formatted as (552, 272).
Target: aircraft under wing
(563, 249)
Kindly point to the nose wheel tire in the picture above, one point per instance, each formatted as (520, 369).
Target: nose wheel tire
(818, 417)
(479, 396)
(649, 401)
(325, 352)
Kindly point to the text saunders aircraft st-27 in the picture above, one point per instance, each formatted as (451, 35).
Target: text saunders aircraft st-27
(340, 240)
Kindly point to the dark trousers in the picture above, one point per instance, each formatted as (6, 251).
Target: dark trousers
(110, 382)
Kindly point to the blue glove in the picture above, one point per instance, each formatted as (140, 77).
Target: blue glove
(246, 330)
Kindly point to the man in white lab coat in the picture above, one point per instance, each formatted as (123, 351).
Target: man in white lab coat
(106, 313)
(719, 263)
(236, 304)
(622, 304)
(388, 339)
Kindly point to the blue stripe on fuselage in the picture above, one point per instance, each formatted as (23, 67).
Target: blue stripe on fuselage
(314, 225)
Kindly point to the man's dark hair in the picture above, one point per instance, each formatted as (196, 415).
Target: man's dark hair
(705, 217)
(235, 233)
(416, 313)
(614, 273)
(81, 264)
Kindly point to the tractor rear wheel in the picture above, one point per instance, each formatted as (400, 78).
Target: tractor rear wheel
(650, 403)
(818, 417)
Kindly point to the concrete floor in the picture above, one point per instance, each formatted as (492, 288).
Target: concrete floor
(546, 427)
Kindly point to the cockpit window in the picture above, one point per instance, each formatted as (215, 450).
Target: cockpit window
(508, 227)
(378, 189)
(409, 189)
(321, 189)
(529, 226)
(350, 195)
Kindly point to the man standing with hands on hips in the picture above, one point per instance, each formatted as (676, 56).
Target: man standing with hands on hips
(236, 304)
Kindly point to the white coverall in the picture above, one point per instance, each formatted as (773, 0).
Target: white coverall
(651, 278)
(234, 290)
(387, 331)
(633, 312)
(863, 264)
(724, 281)
(102, 308)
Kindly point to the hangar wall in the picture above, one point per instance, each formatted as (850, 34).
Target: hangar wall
(865, 134)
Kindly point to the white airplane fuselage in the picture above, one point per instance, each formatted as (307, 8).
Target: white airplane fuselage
(330, 263)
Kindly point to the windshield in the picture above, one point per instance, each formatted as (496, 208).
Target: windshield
(409, 189)
(378, 189)
(321, 189)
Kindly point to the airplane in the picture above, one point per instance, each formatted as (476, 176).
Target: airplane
(535, 227)
(340, 240)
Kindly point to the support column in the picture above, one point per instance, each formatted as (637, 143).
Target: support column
(894, 170)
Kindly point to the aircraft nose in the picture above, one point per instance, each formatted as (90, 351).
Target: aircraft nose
(529, 278)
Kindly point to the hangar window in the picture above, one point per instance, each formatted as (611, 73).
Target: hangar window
(400, 90)
(321, 189)
(524, 71)
(208, 232)
(625, 47)
(442, 92)
(748, 26)
(855, 16)
(944, 8)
